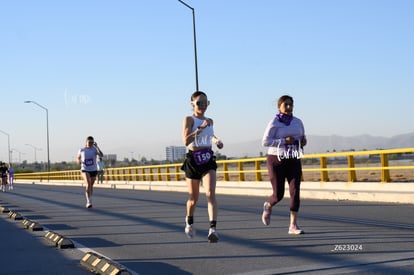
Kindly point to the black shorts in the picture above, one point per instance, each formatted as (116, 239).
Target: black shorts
(193, 170)
(92, 174)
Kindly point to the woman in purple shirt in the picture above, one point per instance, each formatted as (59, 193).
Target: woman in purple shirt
(285, 137)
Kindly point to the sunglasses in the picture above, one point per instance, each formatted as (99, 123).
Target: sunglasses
(201, 103)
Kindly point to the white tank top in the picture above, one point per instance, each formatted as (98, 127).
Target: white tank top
(203, 139)
(88, 158)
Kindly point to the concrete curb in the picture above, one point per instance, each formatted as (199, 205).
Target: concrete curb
(4, 209)
(31, 225)
(101, 265)
(58, 240)
(15, 216)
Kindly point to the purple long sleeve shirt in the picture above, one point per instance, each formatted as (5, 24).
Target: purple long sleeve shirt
(275, 134)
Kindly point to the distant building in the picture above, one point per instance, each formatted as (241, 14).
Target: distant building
(174, 153)
(110, 160)
(110, 157)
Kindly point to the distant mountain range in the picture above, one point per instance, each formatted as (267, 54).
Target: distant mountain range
(322, 144)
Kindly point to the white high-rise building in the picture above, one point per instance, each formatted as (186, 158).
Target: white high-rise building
(174, 153)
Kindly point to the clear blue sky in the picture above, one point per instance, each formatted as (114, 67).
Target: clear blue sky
(123, 71)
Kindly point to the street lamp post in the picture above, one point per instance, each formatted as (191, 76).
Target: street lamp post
(47, 129)
(20, 154)
(195, 42)
(35, 150)
(8, 146)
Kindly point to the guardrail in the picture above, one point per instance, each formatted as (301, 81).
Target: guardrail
(254, 169)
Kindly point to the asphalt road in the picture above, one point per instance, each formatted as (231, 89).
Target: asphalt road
(144, 231)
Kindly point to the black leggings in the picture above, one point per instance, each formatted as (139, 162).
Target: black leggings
(280, 170)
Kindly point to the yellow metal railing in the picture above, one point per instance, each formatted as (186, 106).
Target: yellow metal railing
(383, 164)
(249, 169)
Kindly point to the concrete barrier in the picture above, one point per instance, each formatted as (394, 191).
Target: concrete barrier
(390, 192)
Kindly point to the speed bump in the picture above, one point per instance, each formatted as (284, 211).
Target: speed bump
(4, 209)
(58, 240)
(101, 265)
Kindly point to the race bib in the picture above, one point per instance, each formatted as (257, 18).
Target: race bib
(202, 156)
(89, 162)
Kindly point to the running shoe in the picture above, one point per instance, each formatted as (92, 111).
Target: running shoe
(88, 205)
(189, 231)
(267, 211)
(212, 235)
(295, 230)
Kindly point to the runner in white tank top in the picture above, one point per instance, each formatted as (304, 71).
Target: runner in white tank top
(87, 159)
(200, 164)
